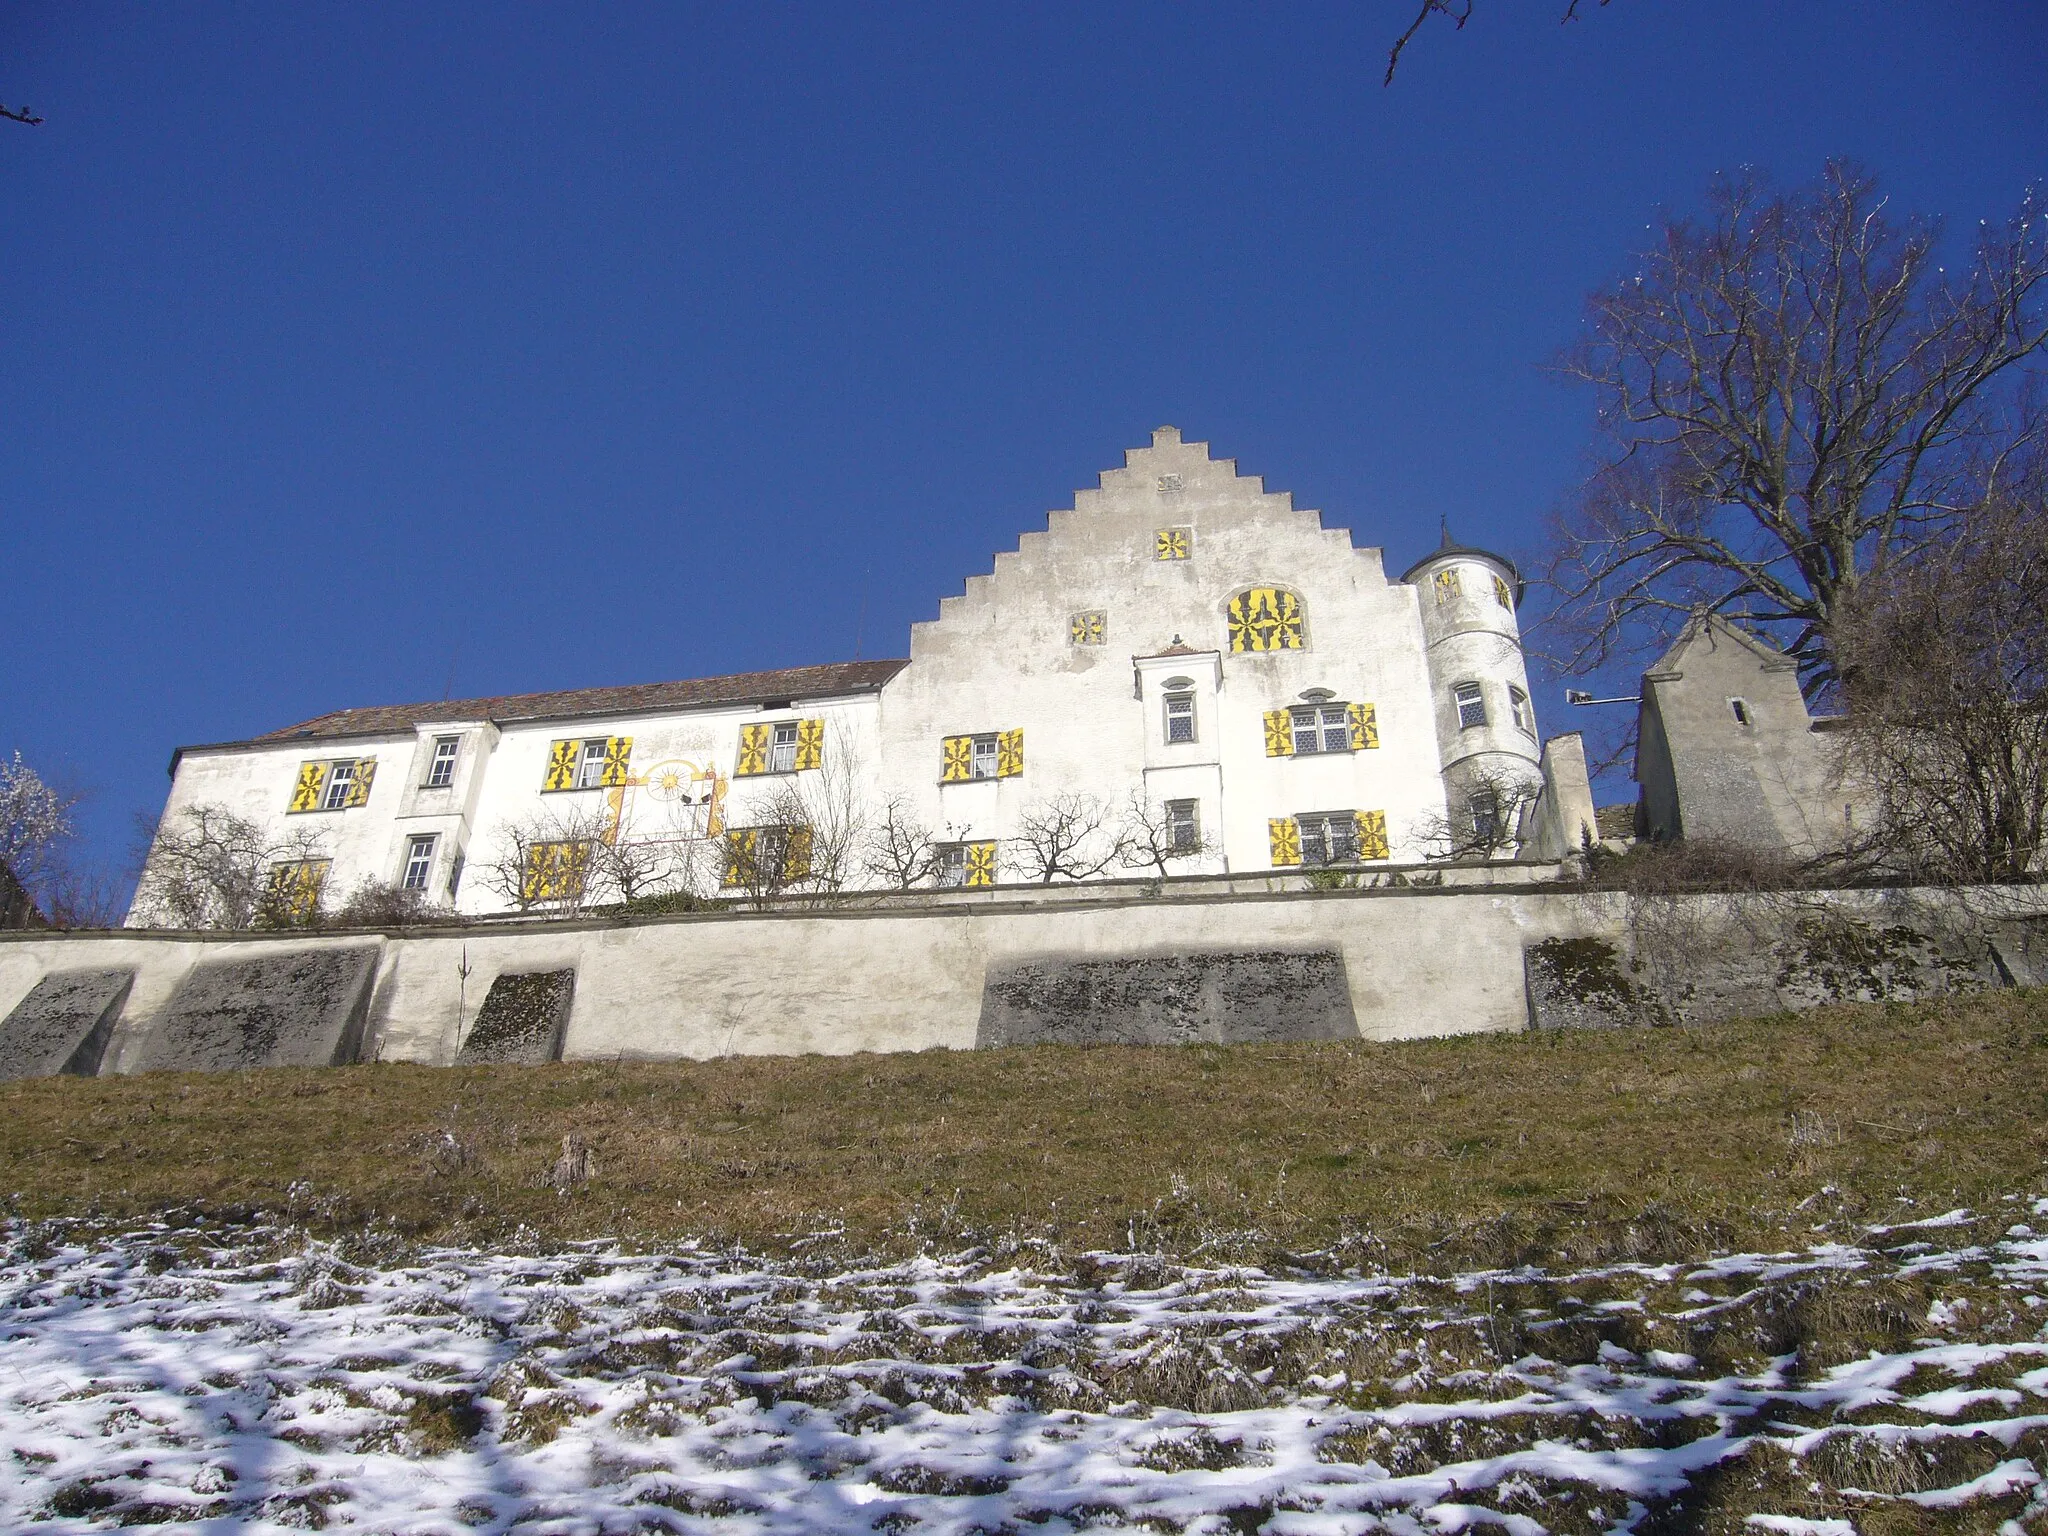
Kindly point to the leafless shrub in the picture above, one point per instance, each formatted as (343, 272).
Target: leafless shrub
(382, 904)
(1068, 837)
(1946, 664)
(209, 868)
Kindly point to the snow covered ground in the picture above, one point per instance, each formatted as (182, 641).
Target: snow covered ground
(220, 1378)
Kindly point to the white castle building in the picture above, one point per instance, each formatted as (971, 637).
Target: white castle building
(1182, 651)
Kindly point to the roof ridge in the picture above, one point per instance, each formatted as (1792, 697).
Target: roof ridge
(615, 698)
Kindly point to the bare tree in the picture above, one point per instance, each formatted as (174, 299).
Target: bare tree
(35, 821)
(543, 862)
(1494, 802)
(1946, 661)
(900, 852)
(628, 869)
(1069, 837)
(808, 832)
(1457, 12)
(207, 867)
(1150, 836)
(1795, 392)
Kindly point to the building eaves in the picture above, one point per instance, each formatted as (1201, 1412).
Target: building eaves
(759, 688)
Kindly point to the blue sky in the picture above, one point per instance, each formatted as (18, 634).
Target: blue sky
(353, 354)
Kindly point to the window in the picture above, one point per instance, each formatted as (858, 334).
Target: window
(419, 862)
(597, 762)
(1740, 711)
(1180, 717)
(967, 864)
(994, 755)
(767, 858)
(341, 779)
(293, 892)
(1090, 628)
(786, 746)
(1173, 543)
(333, 786)
(1169, 485)
(1265, 619)
(441, 772)
(1485, 811)
(1502, 595)
(1448, 587)
(1471, 705)
(554, 871)
(1184, 831)
(1321, 728)
(1329, 838)
(1518, 706)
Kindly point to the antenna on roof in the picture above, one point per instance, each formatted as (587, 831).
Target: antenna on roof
(860, 624)
(448, 687)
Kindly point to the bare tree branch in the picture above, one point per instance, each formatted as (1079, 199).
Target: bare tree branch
(1794, 393)
(1458, 12)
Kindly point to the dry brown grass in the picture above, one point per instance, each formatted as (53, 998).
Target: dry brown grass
(1495, 1149)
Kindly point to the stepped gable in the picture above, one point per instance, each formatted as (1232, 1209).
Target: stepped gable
(837, 677)
(1205, 484)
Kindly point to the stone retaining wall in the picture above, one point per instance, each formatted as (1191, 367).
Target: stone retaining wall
(1138, 964)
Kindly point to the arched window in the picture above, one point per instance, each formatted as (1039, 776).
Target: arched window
(1265, 619)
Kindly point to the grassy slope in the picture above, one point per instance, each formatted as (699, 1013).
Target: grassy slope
(1484, 1149)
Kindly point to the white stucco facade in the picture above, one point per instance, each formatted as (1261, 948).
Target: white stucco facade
(1180, 638)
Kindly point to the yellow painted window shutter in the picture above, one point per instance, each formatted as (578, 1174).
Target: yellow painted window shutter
(1447, 584)
(294, 891)
(359, 789)
(306, 793)
(1372, 835)
(1265, 619)
(810, 744)
(1279, 733)
(753, 750)
(618, 762)
(957, 760)
(554, 871)
(533, 873)
(1009, 754)
(796, 854)
(561, 765)
(981, 864)
(739, 856)
(1285, 839)
(1365, 727)
(1502, 596)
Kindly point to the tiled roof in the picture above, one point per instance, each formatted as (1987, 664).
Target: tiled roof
(636, 698)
